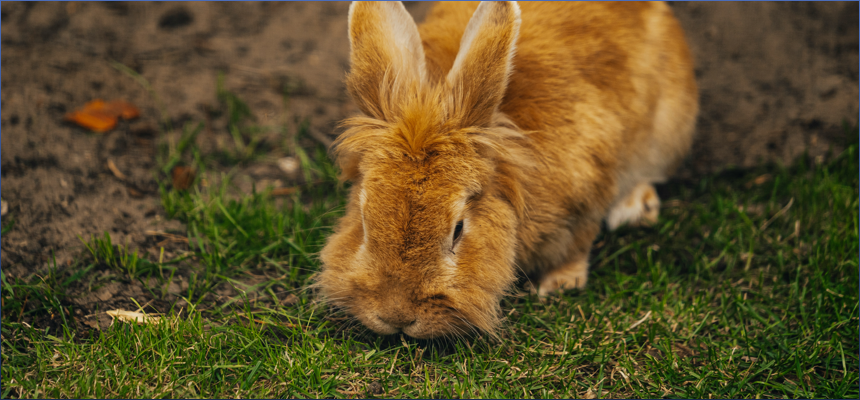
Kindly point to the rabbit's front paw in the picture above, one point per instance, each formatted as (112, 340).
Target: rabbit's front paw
(572, 275)
(641, 206)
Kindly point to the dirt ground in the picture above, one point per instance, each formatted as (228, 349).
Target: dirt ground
(776, 79)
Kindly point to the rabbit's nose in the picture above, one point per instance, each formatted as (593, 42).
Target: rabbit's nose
(397, 321)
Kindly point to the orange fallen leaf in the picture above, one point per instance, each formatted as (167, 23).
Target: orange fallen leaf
(94, 121)
(99, 116)
(122, 108)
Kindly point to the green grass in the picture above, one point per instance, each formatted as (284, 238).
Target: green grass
(747, 287)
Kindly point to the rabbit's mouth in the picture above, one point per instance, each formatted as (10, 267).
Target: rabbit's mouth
(418, 327)
(419, 331)
(387, 325)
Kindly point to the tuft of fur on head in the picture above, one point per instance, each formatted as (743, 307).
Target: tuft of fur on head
(422, 125)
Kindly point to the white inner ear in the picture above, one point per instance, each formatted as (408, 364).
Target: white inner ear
(475, 23)
(400, 37)
(407, 41)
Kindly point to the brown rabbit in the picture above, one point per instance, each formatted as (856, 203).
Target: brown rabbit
(495, 139)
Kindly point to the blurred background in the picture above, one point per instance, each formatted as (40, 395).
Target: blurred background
(778, 81)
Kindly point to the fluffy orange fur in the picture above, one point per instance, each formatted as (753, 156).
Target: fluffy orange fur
(494, 141)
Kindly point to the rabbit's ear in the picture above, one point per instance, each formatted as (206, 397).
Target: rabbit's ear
(386, 54)
(479, 76)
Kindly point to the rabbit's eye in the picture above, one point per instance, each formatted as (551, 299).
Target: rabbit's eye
(458, 232)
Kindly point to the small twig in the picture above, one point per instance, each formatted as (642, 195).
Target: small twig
(145, 304)
(778, 213)
(390, 370)
(116, 172)
(133, 189)
(21, 314)
(635, 324)
(261, 322)
(795, 234)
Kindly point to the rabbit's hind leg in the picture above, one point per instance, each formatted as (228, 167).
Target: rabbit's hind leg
(641, 206)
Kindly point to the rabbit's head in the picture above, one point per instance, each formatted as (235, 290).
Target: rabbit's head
(428, 241)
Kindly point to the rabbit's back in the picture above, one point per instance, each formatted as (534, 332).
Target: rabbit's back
(618, 55)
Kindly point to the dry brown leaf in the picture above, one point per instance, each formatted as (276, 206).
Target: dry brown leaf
(129, 316)
(92, 323)
(183, 177)
(283, 191)
(758, 180)
(134, 192)
(289, 300)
